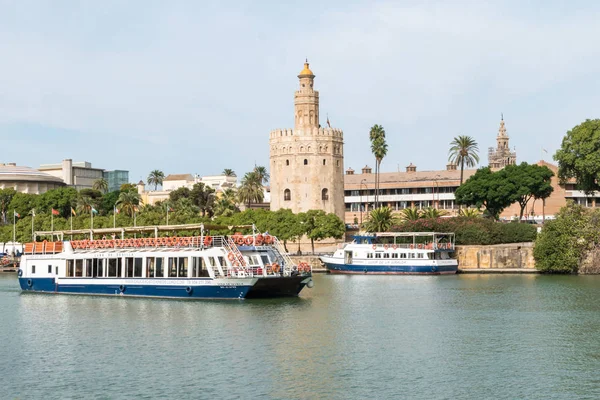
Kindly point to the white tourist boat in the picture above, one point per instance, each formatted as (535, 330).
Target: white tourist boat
(395, 253)
(191, 267)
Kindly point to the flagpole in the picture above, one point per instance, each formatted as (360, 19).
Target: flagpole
(114, 217)
(32, 219)
(14, 228)
(92, 218)
(167, 215)
(52, 223)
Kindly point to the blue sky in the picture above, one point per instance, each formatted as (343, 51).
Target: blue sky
(192, 86)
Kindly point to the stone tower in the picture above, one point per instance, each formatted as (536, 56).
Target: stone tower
(307, 162)
(501, 156)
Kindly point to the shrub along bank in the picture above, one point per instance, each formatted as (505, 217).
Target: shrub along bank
(473, 230)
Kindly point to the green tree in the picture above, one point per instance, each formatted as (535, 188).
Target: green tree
(433, 213)
(128, 187)
(204, 197)
(109, 201)
(463, 150)
(228, 172)
(469, 212)
(226, 205)
(528, 181)
(261, 174)
(579, 156)
(101, 185)
(379, 149)
(563, 241)
(284, 224)
(128, 201)
(179, 193)
(488, 189)
(6, 196)
(410, 214)
(251, 189)
(85, 204)
(61, 199)
(380, 220)
(22, 203)
(156, 178)
(317, 225)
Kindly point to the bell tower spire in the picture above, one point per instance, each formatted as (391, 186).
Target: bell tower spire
(306, 103)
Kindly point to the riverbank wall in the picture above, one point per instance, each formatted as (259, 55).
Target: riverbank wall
(500, 258)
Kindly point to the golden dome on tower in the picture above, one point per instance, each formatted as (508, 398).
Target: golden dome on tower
(306, 71)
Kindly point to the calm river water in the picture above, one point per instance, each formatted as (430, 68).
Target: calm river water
(350, 337)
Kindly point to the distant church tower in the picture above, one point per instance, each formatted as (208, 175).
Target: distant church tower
(501, 156)
(307, 162)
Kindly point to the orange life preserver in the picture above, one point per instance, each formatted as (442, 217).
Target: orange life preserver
(231, 257)
(185, 241)
(74, 244)
(395, 246)
(208, 240)
(412, 246)
(374, 246)
(239, 241)
(275, 268)
(268, 239)
(419, 246)
(236, 264)
(259, 240)
(385, 246)
(249, 240)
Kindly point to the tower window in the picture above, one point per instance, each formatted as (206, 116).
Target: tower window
(305, 161)
(287, 195)
(324, 162)
(324, 194)
(338, 163)
(287, 162)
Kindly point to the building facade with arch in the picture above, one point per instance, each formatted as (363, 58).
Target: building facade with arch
(307, 162)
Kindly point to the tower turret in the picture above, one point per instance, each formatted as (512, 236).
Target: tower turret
(306, 102)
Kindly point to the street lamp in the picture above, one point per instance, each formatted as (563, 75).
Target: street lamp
(436, 185)
(360, 195)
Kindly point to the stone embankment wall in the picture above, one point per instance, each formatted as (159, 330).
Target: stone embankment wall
(513, 256)
(590, 263)
(313, 261)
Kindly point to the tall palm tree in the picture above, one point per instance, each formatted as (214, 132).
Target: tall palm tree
(380, 220)
(262, 174)
(433, 213)
(379, 149)
(156, 178)
(101, 185)
(251, 189)
(463, 150)
(228, 172)
(410, 214)
(128, 201)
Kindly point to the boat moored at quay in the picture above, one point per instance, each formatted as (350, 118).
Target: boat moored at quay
(190, 267)
(395, 253)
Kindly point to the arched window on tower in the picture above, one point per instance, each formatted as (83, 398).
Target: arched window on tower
(305, 161)
(324, 162)
(324, 194)
(287, 162)
(287, 195)
(308, 149)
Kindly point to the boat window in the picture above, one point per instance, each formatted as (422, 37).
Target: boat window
(33, 269)
(222, 262)
(377, 255)
(56, 270)
(49, 269)
(212, 261)
(129, 267)
(420, 255)
(265, 259)
(70, 268)
(112, 268)
(78, 267)
(119, 267)
(369, 255)
(172, 267)
(394, 255)
(97, 267)
(199, 267)
(183, 267)
(137, 268)
(402, 255)
(159, 273)
(386, 255)
(149, 267)
(88, 267)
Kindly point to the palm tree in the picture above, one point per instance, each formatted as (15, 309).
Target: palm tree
(85, 204)
(410, 214)
(463, 150)
(128, 202)
(433, 213)
(469, 212)
(262, 174)
(101, 185)
(204, 197)
(380, 220)
(228, 172)
(156, 178)
(379, 149)
(251, 189)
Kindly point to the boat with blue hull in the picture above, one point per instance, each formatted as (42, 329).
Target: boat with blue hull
(190, 267)
(395, 253)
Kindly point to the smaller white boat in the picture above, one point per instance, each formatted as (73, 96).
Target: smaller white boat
(395, 253)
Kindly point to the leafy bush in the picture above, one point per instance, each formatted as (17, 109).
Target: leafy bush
(473, 231)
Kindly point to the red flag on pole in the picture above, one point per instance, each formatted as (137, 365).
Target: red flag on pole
(55, 212)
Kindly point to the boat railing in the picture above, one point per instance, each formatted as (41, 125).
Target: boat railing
(415, 246)
(288, 264)
(154, 242)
